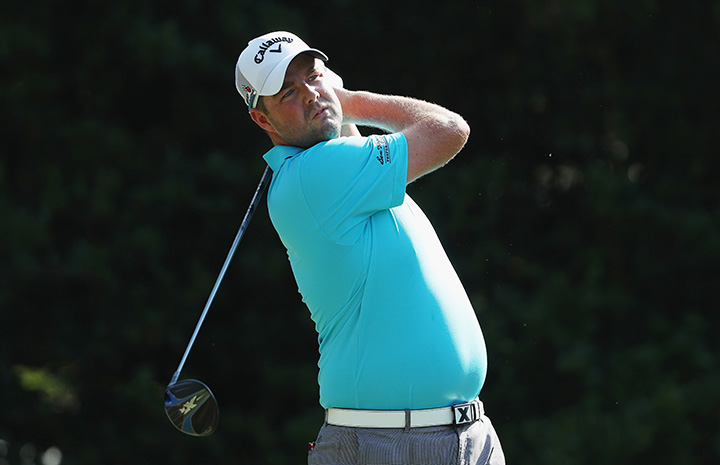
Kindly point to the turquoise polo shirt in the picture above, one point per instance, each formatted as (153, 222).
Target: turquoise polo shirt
(396, 329)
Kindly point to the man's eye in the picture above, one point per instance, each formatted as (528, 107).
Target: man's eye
(313, 77)
(287, 94)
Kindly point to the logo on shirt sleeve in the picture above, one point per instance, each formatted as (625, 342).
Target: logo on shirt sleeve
(382, 148)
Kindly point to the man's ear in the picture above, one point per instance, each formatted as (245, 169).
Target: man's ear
(261, 120)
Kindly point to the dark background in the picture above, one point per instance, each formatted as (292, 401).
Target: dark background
(582, 217)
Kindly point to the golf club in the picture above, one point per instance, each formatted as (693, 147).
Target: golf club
(189, 404)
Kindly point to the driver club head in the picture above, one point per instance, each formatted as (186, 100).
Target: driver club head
(191, 407)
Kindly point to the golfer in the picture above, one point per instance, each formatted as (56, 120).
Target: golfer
(402, 356)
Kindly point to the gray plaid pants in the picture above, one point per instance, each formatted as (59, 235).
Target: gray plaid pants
(472, 444)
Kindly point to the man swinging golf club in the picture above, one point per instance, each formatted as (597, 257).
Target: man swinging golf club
(402, 356)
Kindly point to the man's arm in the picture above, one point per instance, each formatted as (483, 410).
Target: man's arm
(434, 134)
(349, 130)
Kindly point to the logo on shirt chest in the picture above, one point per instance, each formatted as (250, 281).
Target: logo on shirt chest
(382, 148)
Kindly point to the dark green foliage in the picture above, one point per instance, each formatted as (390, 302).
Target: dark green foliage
(582, 216)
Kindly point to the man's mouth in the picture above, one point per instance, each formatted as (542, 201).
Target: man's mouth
(320, 113)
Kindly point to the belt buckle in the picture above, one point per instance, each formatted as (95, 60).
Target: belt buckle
(466, 413)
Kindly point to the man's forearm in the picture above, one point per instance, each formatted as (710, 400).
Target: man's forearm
(387, 112)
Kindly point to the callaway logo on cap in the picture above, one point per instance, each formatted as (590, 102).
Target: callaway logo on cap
(261, 67)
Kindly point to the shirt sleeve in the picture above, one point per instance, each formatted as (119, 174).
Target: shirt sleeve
(347, 180)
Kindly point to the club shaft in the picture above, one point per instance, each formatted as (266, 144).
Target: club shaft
(264, 180)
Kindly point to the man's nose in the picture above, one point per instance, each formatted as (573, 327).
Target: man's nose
(311, 94)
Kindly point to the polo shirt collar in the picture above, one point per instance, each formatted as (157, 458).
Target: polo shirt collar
(276, 156)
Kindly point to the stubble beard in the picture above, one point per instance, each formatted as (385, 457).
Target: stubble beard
(327, 127)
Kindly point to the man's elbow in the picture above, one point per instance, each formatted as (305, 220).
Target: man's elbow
(463, 131)
(434, 142)
(457, 132)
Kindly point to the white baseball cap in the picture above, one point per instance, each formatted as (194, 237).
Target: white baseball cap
(261, 67)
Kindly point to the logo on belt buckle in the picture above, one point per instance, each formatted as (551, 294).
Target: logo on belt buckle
(465, 413)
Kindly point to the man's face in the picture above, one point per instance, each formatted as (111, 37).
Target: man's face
(306, 110)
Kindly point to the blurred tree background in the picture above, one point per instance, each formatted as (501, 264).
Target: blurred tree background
(582, 216)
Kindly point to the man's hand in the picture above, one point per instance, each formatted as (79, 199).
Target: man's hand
(335, 80)
(336, 83)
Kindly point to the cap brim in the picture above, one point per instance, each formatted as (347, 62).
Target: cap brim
(275, 79)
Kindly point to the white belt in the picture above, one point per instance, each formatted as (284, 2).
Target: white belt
(455, 415)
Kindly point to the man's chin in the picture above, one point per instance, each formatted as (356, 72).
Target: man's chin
(321, 136)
